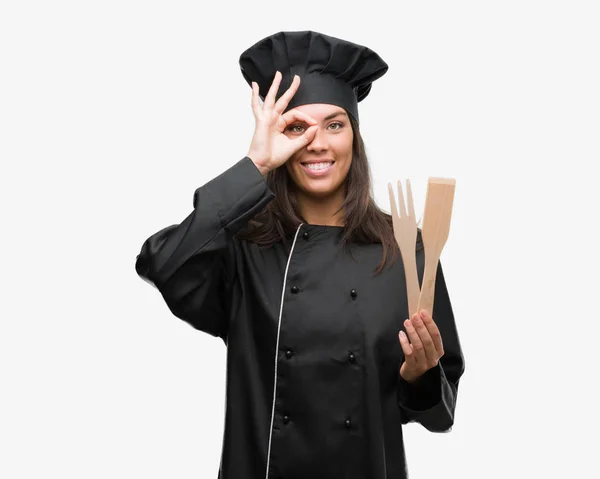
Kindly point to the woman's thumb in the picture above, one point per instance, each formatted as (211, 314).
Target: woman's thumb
(308, 136)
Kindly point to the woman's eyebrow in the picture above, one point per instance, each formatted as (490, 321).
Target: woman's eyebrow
(334, 115)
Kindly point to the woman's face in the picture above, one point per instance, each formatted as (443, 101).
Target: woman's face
(331, 144)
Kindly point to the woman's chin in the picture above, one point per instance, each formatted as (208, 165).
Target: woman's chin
(319, 189)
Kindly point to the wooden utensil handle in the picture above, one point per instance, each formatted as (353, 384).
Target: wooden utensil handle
(413, 289)
(428, 285)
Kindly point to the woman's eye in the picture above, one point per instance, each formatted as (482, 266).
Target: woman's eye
(291, 128)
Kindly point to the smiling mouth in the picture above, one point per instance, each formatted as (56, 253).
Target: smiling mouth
(317, 165)
(317, 169)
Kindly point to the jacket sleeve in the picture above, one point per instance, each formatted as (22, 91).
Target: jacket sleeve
(431, 399)
(192, 263)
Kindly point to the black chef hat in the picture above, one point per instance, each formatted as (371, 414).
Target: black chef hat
(331, 70)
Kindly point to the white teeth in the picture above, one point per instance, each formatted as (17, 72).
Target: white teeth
(319, 166)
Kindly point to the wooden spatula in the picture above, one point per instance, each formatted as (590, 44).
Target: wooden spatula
(436, 226)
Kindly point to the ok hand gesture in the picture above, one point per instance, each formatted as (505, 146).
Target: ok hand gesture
(271, 147)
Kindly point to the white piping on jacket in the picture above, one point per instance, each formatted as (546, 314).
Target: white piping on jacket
(384, 460)
(224, 417)
(277, 348)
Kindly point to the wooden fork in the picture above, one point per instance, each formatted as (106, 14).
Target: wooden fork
(405, 232)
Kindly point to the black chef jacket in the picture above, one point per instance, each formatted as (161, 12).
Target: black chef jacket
(313, 389)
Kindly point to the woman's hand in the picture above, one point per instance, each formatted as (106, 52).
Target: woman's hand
(270, 147)
(425, 347)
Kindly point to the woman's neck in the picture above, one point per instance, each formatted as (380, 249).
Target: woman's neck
(321, 211)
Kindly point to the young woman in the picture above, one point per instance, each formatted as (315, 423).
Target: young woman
(287, 258)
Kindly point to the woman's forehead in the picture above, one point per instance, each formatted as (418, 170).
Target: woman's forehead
(320, 111)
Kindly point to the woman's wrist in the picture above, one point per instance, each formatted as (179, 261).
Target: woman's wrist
(260, 165)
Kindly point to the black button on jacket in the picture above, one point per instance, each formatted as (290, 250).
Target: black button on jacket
(335, 407)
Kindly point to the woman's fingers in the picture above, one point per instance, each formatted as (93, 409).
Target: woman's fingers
(406, 347)
(293, 115)
(270, 98)
(425, 346)
(284, 100)
(269, 141)
(415, 341)
(434, 333)
(255, 100)
(282, 103)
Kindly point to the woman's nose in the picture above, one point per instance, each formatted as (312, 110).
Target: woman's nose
(319, 142)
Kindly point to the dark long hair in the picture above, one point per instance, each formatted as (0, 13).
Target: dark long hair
(364, 222)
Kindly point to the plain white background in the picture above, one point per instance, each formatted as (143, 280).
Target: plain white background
(112, 113)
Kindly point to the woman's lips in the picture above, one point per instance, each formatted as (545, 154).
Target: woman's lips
(317, 173)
